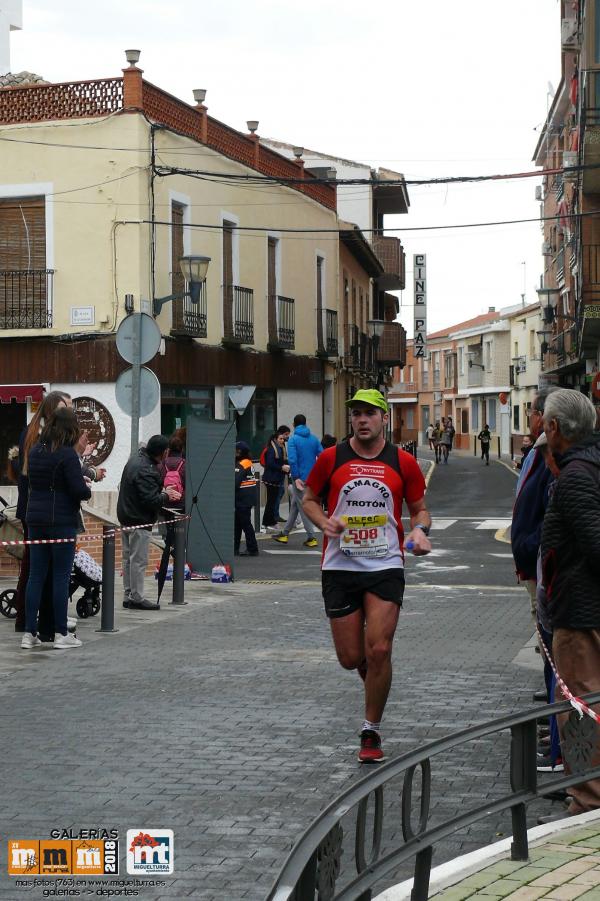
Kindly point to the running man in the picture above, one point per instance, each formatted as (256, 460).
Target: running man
(365, 481)
(485, 436)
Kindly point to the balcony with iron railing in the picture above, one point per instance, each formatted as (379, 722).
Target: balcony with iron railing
(282, 331)
(190, 318)
(238, 315)
(405, 388)
(331, 333)
(26, 297)
(351, 354)
(392, 257)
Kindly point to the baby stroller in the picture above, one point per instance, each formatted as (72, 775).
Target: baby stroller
(86, 573)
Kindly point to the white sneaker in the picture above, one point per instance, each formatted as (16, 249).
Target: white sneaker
(30, 641)
(62, 642)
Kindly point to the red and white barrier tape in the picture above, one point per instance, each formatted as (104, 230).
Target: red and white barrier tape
(580, 706)
(80, 538)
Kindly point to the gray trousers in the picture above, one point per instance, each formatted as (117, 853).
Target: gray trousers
(295, 509)
(135, 559)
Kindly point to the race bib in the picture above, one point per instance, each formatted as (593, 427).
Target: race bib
(364, 536)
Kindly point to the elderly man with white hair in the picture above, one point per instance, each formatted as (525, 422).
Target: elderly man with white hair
(570, 549)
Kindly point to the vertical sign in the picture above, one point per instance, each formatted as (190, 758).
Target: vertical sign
(420, 282)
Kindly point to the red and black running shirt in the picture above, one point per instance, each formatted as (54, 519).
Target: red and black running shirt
(367, 495)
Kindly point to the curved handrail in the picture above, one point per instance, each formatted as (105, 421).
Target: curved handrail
(298, 877)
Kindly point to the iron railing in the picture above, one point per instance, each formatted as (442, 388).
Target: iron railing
(330, 342)
(560, 265)
(26, 298)
(351, 355)
(313, 867)
(190, 318)
(282, 331)
(238, 314)
(363, 350)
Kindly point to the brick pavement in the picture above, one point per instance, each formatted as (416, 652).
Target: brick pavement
(230, 722)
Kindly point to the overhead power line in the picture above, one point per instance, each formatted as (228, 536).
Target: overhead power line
(207, 226)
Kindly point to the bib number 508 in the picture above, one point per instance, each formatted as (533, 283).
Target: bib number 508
(359, 535)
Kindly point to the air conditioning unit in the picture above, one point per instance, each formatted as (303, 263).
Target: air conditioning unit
(538, 192)
(570, 161)
(547, 249)
(569, 35)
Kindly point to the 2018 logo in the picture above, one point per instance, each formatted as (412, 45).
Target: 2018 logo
(150, 851)
(73, 857)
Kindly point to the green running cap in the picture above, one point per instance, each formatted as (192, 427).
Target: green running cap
(368, 396)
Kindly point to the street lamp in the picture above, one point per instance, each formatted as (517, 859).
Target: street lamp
(193, 270)
(375, 329)
(543, 335)
(549, 301)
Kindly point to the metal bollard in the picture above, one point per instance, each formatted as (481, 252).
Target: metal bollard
(107, 614)
(179, 562)
(474, 445)
(499, 454)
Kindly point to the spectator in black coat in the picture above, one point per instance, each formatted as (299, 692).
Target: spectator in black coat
(30, 436)
(56, 489)
(245, 499)
(141, 497)
(276, 467)
(570, 548)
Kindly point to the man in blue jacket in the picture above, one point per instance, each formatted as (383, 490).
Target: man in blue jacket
(303, 449)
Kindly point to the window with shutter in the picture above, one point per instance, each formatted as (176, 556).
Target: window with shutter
(24, 279)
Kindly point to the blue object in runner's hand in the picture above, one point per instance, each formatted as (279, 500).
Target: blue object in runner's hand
(409, 545)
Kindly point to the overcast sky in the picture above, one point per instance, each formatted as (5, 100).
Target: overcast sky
(426, 87)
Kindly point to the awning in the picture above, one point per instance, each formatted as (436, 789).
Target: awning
(21, 393)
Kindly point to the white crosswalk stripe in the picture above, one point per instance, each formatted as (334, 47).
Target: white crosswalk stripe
(494, 524)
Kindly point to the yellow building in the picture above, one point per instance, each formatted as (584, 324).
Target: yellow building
(105, 184)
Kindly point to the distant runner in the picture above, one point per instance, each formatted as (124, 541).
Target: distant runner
(365, 481)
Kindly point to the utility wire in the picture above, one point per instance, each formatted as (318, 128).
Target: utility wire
(337, 231)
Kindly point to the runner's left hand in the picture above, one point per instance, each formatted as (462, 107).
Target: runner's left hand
(420, 542)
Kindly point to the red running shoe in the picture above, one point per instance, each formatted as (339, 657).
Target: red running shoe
(370, 747)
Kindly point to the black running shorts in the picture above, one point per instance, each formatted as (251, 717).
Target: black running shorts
(343, 591)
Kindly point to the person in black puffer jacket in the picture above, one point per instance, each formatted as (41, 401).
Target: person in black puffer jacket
(273, 476)
(56, 489)
(141, 497)
(570, 553)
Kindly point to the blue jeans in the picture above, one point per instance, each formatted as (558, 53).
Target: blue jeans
(40, 557)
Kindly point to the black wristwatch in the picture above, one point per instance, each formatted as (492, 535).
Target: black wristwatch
(423, 528)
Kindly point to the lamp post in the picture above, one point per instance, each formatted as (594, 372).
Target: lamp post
(193, 270)
(549, 301)
(375, 328)
(543, 335)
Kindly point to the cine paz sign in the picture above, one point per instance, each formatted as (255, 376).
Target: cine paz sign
(420, 283)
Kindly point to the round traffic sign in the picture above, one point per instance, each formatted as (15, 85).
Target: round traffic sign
(149, 336)
(149, 391)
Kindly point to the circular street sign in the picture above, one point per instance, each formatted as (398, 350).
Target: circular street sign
(149, 337)
(503, 397)
(149, 391)
(93, 416)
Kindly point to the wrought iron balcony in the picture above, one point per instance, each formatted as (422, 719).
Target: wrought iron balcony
(351, 355)
(391, 254)
(190, 318)
(282, 332)
(238, 315)
(26, 298)
(327, 333)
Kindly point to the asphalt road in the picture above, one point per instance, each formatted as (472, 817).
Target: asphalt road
(230, 721)
(468, 501)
